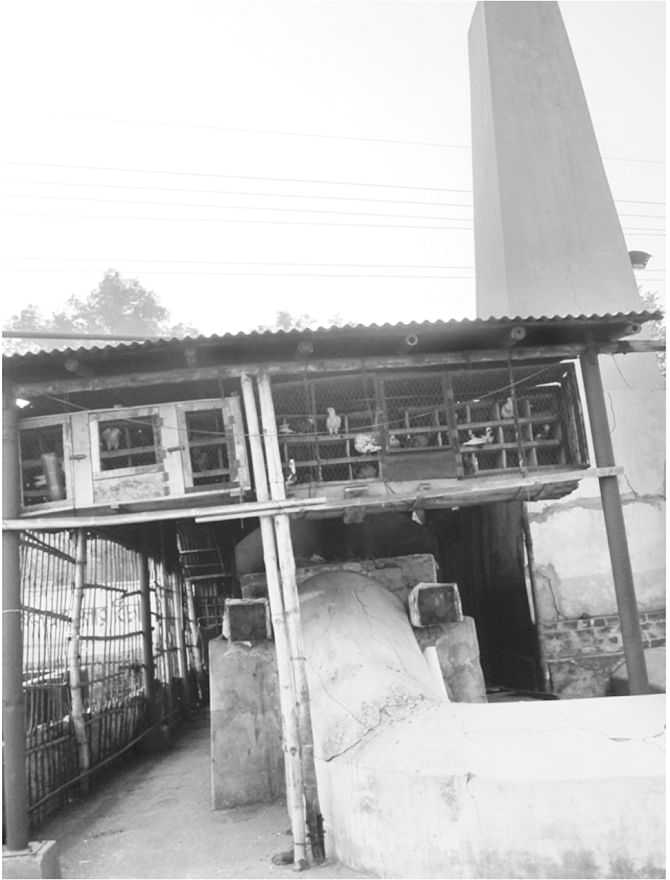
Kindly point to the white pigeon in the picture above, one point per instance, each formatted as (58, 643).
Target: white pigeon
(507, 409)
(366, 444)
(112, 437)
(333, 421)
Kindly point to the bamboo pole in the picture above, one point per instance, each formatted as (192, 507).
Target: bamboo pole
(13, 699)
(178, 620)
(292, 613)
(287, 694)
(74, 658)
(147, 640)
(195, 638)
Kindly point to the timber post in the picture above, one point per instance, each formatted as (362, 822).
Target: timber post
(292, 611)
(617, 541)
(287, 691)
(13, 700)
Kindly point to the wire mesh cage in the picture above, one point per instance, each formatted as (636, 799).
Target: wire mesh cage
(208, 449)
(426, 423)
(42, 473)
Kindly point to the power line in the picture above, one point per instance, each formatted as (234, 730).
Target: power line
(234, 176)
(341, 137)
(238, 207)
(235, 221)
(239, 193)
(249, 193)
(242, 263)
(305, 134)
(238, 221)
(253, 274)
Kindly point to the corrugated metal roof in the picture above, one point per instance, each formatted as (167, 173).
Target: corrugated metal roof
(452, 328)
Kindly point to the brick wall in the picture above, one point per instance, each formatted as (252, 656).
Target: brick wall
(581, 653)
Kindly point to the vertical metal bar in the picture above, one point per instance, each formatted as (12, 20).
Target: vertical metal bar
(622, 572)
(13, 700)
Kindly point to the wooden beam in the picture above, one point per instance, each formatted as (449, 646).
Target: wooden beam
(244, 510)
(28, 390)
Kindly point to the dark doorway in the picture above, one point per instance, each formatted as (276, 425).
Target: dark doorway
(481, 548)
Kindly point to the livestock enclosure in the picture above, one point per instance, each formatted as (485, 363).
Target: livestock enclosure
(110, 655)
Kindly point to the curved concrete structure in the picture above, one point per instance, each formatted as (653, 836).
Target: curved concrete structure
(414, 786)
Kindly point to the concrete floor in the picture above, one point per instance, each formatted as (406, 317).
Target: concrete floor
(152, 818)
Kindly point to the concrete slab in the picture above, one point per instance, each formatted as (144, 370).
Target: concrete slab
(40, 860)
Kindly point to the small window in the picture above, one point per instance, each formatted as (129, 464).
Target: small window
(207, 447)
(42, 474)
(127, 442)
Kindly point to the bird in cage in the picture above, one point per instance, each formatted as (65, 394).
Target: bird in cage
(366, 472)
(285, 428)
(367, 444)
(305, 426)
(477, 439)
(394, 441)
(291, 473)
(470, 463)
(111, 437)
(543, 433)
(488, 435)
(507, 409)
(333, 421)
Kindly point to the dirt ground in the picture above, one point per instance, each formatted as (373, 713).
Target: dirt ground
(152, 818)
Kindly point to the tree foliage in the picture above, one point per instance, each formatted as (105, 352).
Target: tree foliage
(116, 306)
(655, 329)
(284, 320)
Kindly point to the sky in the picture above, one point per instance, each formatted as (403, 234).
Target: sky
(240, 158)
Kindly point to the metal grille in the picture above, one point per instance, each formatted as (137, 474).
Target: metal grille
(427, 423)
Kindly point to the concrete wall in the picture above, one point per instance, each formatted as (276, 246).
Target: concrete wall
(413, 786)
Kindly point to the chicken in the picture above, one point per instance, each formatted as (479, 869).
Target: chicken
(394, 441)
(285, 428)
(111, 437)
(333, 421)
(367, 444)
(474, 440)
(507, 409)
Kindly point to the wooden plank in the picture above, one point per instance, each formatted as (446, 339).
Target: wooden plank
(28, 390)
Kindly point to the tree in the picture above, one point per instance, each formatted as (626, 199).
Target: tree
(656, 329)
(117, 305)
(286, 321)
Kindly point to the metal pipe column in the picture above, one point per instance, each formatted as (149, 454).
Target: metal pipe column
(13, 700)
(622, 571)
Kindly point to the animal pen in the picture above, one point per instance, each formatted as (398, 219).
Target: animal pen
(110, 655)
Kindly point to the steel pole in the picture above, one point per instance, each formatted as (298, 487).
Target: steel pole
(622, 571)
(13, 700)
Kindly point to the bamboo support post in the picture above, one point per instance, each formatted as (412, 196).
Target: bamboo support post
(147, 640)
(74, 657)
(14, 782)
(287, 694)
(292, 612)
(179, 624)
(622, 572)
(195, 638)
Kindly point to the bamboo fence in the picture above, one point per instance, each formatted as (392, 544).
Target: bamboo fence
(87, 696)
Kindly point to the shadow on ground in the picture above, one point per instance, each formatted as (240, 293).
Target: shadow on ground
(152, 819)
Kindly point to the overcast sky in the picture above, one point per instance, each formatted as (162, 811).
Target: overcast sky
(240, 158)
